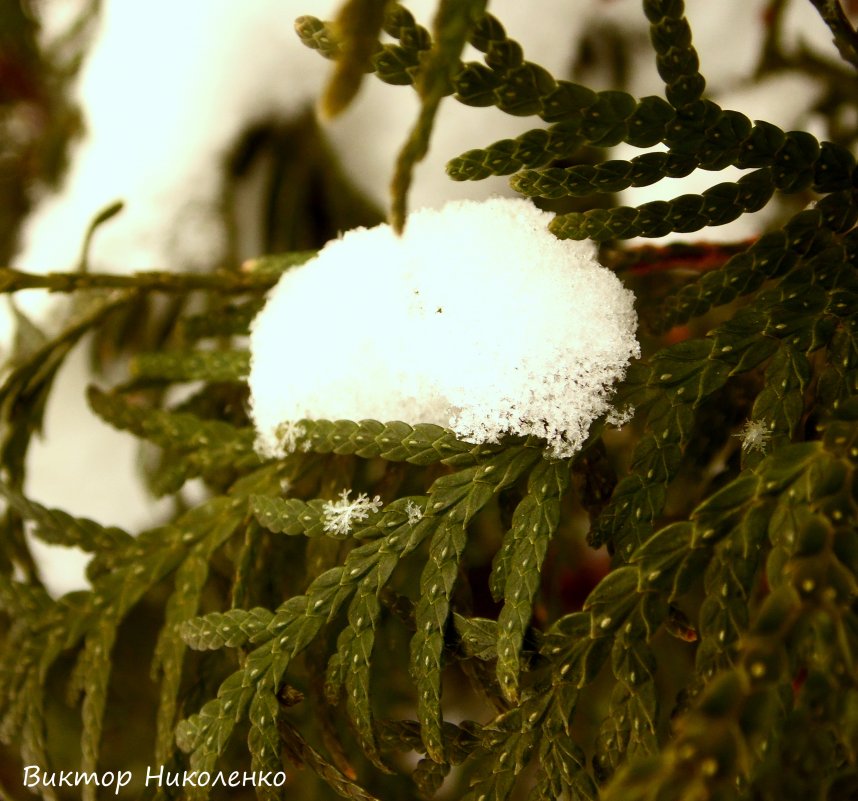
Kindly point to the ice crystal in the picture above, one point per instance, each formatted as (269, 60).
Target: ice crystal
(754, 435)
(414, 512)
(288, 434)
(476, 319)
(340, 515)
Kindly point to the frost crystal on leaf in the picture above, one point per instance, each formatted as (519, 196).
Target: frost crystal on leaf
(619, 417)
(287, 434)
(477, 319)
(340, 515)
(754, 435)
(414, 512)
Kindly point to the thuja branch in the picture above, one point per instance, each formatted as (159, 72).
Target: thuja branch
(259, 276)
(220, 281)
(844, 35)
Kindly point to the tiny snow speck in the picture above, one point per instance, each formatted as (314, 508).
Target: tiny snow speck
(414, 512)
(533, 336)
(754, 435)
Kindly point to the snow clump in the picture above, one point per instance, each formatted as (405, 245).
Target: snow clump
(476, 319)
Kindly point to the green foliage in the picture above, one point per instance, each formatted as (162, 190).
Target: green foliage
(718, 647)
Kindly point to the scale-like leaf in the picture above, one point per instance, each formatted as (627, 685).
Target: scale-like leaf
(718, 205)
(422, 444)
(229, 629)
(192, 365)
(359, 25)
(478, 635)
(453, 23)
(263, 739)
(57, 527)
(628, 730)
(771, 256)
(459, 497)
(289, 515)
(189, 582)
(497, 775)
(354, 651)
(293, 627)
(223, 321)
(436, 587)
(534, 523)
(302, 753)
(531, 149)
(676, 57)
(609, 176)
(200, 447)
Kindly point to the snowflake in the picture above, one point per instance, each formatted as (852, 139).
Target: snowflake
(288, 433)
(619, 417)
(340, 515)
(754, 435)
(414, 512)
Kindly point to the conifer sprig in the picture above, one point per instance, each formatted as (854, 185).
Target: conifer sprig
(362, 576)
(724, 734)
(697, 133)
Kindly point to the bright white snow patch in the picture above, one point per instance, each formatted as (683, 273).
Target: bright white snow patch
(476, 319)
